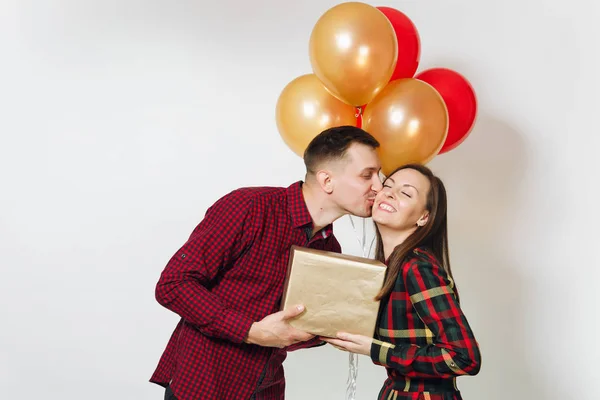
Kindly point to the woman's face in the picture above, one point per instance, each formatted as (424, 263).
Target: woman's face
(400, 205)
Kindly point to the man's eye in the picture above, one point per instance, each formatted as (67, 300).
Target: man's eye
(387, 186)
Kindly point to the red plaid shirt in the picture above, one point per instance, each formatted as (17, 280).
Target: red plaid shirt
(229, 274)
(423, 337)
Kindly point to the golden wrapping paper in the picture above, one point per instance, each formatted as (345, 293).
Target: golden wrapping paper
(337, 290)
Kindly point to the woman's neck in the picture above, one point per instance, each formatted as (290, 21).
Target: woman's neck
(391, 238)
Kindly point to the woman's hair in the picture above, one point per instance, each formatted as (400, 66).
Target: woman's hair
(433, 235)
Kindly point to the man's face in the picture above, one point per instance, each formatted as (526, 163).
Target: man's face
(356, 181)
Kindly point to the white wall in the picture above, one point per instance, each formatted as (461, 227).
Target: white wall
(122, 121)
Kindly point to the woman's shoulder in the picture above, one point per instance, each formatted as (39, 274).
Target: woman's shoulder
(421, 254)
(421, 258)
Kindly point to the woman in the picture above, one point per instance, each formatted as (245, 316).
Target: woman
(422, 337)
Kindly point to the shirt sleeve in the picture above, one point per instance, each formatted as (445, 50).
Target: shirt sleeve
(454, 350)
(314, 342)
(214, 245)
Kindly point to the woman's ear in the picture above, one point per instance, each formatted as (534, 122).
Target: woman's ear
(423, 220)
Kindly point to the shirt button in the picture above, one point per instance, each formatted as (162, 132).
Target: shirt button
(183, 256)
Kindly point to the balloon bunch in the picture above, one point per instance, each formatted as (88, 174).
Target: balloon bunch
(364, 60)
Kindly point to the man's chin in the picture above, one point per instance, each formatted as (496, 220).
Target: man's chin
(364, 214)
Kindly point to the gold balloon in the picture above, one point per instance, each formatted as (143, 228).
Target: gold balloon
(410, 120)
(305, 109)
(353, 51)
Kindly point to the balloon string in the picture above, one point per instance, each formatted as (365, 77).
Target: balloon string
(353, 358)
(352, 374)
(365, 252)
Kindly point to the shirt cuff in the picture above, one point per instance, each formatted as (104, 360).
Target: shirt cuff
(232, 326)
(314, 342)
(380, 352)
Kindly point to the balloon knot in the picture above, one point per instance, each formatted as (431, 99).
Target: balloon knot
(359, 112)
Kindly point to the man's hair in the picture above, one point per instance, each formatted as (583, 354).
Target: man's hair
(332, 144)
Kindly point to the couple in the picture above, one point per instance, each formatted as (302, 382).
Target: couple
(227, 280)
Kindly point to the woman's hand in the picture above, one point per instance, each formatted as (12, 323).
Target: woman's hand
(353, 343)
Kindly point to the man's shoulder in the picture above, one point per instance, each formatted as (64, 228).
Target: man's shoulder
(257, 192)
(254, 195)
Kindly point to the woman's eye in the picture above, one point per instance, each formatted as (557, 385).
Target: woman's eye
(407, 195)
(387, 186)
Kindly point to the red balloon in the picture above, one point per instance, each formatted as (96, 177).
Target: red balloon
(459, 96)
(409, 43)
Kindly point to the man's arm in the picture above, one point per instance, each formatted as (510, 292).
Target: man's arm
(221, 237)
(215, 244)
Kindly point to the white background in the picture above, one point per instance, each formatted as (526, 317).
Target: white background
(122, 121)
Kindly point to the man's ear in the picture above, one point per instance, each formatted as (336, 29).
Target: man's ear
(325, 181)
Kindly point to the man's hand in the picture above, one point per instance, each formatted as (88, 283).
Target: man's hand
(275, 331)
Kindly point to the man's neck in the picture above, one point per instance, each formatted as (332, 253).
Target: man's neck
(319, 207)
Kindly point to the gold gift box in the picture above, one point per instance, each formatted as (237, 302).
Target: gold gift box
(337, 290)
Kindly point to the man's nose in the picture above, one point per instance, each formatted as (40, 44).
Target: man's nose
(377, 185)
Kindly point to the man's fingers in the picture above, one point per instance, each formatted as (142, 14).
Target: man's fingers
(292, 312)
(301, 336)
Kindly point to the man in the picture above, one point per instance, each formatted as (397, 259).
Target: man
(226, 282)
